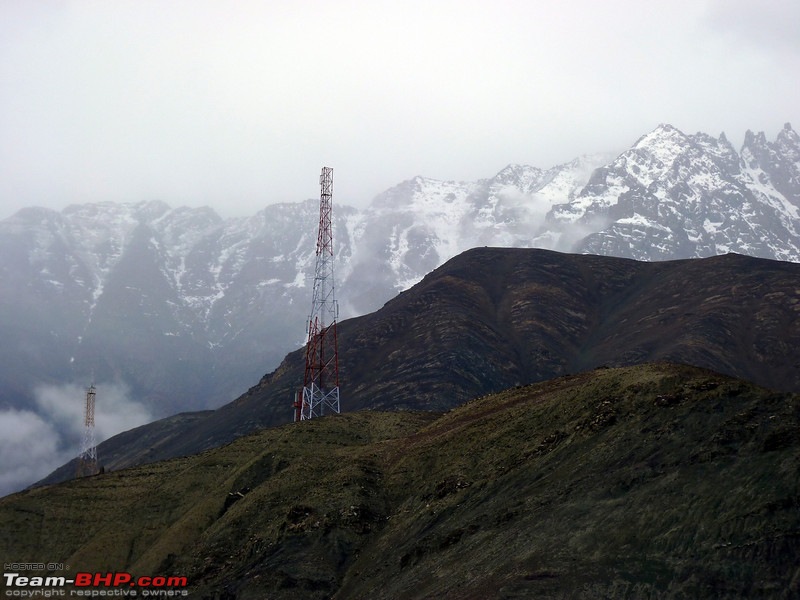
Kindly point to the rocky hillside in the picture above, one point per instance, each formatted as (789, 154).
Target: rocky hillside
(670, 196)
(649, 481)
(493, 318)
(187, 309)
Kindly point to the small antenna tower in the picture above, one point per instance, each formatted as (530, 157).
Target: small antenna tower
(87, 461)
(320, 392)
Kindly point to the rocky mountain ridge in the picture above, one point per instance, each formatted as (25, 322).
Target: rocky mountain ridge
(678, 196)
(187, 308)
(494, 318)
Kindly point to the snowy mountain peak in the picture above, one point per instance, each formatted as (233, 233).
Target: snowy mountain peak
(788, 140)
(181, 297)
(678, 196)
(525, 176)
(775, 167)
(656, 152)
(663, 136)
(755, 145)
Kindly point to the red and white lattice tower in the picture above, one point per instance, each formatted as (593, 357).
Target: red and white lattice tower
(320, 392)
(87, 461)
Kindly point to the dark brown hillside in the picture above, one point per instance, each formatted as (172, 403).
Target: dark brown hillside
(493, 318)
(653, 481)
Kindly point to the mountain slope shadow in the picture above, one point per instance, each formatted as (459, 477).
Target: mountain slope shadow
(493, 318)
(656, 480)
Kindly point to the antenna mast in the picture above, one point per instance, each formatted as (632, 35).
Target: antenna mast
(320, 392)
(87, 461)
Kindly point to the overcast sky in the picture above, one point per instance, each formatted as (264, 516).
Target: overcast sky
(238, 104)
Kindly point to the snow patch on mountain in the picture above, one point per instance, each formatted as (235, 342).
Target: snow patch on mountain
(655, 200)
(188, 307)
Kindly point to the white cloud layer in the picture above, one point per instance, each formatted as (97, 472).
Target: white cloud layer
(35, 442)
(237, 105)
(28, 449)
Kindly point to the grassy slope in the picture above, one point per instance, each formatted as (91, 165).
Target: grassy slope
(616, 483)
(493, 318)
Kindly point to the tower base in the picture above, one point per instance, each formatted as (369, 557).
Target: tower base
(318, 402)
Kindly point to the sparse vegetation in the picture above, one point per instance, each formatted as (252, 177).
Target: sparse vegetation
(494, 318)
(650, 481)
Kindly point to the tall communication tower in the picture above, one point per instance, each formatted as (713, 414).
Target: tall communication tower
(87, 461)
(320, 392)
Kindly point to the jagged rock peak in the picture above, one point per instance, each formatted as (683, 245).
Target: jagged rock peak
(788, 135)
(754, 139)
(523, 175)
(511, 170)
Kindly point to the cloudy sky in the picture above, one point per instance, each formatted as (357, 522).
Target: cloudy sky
(238, 104)
(35, 441)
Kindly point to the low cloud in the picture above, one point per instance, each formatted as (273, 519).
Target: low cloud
(29, 449)
(36, 441)
(114, 410)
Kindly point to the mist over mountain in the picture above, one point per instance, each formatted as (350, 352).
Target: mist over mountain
(185, 310)
(495, 318)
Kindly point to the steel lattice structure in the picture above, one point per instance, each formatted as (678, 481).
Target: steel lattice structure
(87, 461)
(320, 392)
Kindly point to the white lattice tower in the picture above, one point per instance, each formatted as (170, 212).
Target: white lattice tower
(87, 461)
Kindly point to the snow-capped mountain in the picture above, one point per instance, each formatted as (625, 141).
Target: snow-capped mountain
(674, 195)
(185, 308)
(189, 309)
(417, 225)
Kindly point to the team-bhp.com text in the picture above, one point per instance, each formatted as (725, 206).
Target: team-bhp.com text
(118, 584)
